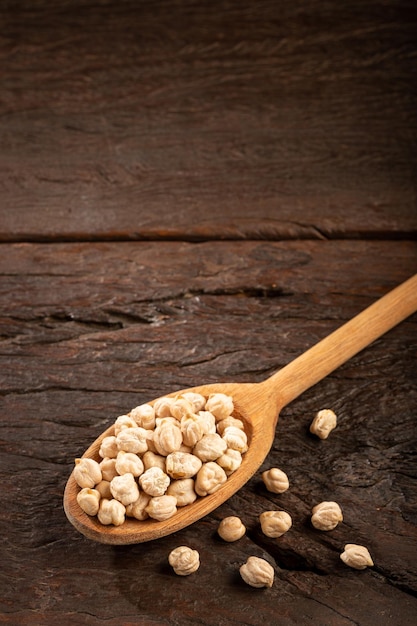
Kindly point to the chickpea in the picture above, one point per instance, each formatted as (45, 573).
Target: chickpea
(184, 560)
(323, 423)
(231, 528)
(257, 572)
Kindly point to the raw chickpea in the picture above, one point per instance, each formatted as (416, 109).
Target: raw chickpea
(257, 572)
(162, 507)
(275, 480)
(230, 461)
(183, 490)
(182, 465)
(184, 560)
(167, 438)
(235, 439)
(103, 487)
(197, 401)
(111, 512)
(137, 509)
(124, 489)
(356, 556)
(326, 515)
(133, 439)
(209, 478)
(128, 463)
(229, 421)
(192, 430)
(108, 469)
(144, 416)
(220, 405)
(231, 528)
(108, 448)
(181, 407)
(87, 472)
(150, 459)
(210, 447)
(162, 407)
(89, 500)
(323, 423)
(275, 523)
(154, 481)
(208, 423)
(122, 422)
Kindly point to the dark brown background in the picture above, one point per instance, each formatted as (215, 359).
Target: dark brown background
(196, 191)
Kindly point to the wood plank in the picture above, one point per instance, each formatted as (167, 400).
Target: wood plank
(200, 121)
(90, 330)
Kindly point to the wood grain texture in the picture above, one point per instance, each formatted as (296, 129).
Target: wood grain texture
(90, 330)
(196, 191)
(258, 405)
(200, 120)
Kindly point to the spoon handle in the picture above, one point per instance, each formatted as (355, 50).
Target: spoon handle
(327, 355)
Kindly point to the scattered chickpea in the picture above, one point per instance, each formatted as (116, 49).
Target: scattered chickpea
(326, 515)
(257, 572)
(231, 528)
(356, 556)
(184, 560)
(275, 523)
(323, 423)
(275, 480)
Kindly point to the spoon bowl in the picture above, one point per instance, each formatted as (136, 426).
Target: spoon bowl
(259, 406)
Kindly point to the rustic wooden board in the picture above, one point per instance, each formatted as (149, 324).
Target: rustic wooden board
(90, 330)
(199, 130)
(207, 120)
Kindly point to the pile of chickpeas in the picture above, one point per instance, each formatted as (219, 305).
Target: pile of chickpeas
(160, 457)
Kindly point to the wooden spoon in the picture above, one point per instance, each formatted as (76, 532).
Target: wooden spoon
(258, 404)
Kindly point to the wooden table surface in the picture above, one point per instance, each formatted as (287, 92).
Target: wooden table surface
(193, 192)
